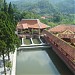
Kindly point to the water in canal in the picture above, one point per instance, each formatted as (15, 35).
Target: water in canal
(37, 62)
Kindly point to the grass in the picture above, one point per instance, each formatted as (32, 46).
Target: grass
(36, 41)
(27, 41)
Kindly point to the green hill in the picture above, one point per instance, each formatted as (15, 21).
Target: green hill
(45, 6)
(66, 6)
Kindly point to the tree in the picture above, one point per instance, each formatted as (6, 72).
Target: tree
(57, 18)
(5, 9)
(2, 50)
(1, 2)
(10, 9)
(11, 12)
(7, 35)
(30, 15)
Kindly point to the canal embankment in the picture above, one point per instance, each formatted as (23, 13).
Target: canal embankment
(60, 65)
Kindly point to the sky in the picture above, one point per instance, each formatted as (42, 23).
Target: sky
(11, 0)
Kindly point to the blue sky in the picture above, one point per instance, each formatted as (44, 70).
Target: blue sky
(11, 0)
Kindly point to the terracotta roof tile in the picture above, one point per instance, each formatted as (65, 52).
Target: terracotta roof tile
(22, 26)
(30, 23)
(61, 28)
(43, 26)
(25, 26)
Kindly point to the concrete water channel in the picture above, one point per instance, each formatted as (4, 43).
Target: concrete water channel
(29, 41)
(40, 61)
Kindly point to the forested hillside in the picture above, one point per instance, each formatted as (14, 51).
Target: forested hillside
(67, 6)
(55, 11)
(46, 6)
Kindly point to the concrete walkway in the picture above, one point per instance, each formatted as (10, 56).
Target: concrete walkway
(14, 63)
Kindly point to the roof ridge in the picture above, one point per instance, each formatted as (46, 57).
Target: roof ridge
(29, 19)
(38, 22)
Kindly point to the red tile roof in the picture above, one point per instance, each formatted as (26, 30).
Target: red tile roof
(22, 26)
(42, 26)
(30, 23)
(61, 28)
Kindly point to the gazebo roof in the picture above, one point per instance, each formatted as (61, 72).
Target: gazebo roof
(43, 26)
(31, 23)
(22, 26)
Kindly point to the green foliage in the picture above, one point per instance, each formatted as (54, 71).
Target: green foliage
(57, 17)
(1, 3)
(7, 29)
(30, 15)
(3, 16)
(66, 6)
(8, 64)
(61, 11)
(7, 32)
(44, 20)
(5, 8)
(51, 24)
(10, 9)
(2, 45)
(17, 16)
(48, 22)
(41, 7)
(67, 18)
(46, 6)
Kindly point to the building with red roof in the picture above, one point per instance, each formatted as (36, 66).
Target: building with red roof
(30, 26)
(66, 32)
(62, 28)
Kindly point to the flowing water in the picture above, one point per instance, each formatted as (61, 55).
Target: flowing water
(38, 63)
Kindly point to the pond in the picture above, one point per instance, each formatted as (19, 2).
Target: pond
(37, 62)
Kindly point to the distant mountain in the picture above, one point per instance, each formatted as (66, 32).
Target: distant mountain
(45, 6)
(66, 6)
(36, 6)
(32, 1)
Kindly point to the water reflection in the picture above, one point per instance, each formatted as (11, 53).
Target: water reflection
(60, 65)
(35, 63)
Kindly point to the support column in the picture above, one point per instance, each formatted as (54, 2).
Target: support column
(22, 41)
(32, 31)
(39, 32)
(39, 26)
(31, 40)
(40, 40)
